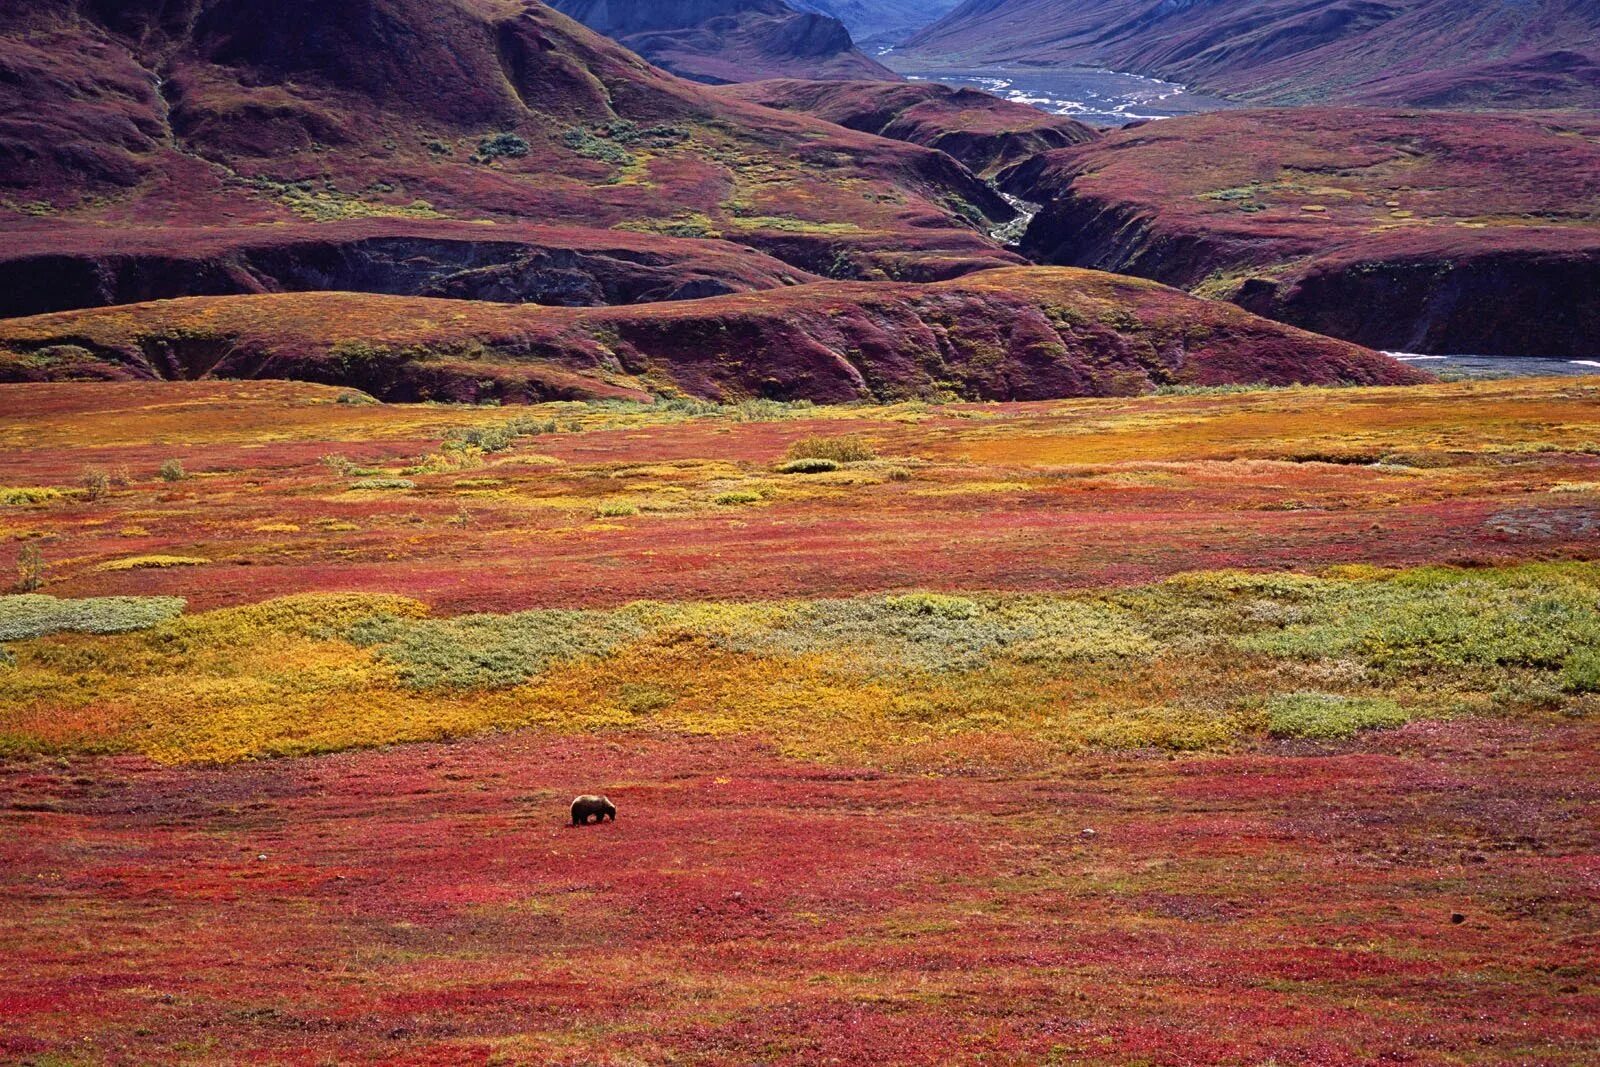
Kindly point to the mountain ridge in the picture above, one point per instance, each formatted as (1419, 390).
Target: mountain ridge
(1440, 53)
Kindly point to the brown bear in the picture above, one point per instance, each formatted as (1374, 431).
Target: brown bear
(587, 805)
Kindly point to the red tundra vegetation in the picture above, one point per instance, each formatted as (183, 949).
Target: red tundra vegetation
(1203, 728)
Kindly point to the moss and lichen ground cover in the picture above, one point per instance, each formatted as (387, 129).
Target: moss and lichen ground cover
(1153, 730)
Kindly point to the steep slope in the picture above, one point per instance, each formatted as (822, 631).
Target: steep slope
(240, 113)
(1422, 232)
(983, 131)
(719, 41)
(1024, 333)
(1527, 53)
(77, 267)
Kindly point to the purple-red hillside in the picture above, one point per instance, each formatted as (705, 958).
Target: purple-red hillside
(1019, 334)
(1414, 231)
(247, 112)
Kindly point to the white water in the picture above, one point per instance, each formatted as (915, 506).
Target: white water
(1098, 97)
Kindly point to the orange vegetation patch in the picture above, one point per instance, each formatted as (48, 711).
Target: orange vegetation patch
(1021, 497)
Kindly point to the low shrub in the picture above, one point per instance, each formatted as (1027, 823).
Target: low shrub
(496, 438)
(1328, 717)
(851, 448)
(36, 615)
(501, 146)
(95, 482)
(136, 563)
(1440, 617)
(808, 466)
(26, 495)
(937, 605)
(377, 484)
(30, 569)
(172, 471)
(737, 496)
(1581, 672)
(490, 651)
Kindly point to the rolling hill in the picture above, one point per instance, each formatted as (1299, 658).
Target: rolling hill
(1022, 334)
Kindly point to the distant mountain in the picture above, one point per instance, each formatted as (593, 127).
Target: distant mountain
(1446, 53)
(880, 23)
(720, 41)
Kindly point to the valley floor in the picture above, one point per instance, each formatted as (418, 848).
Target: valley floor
(1235, 726)
(425, 905)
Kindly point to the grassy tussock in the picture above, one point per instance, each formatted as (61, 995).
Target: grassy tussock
(1202, 661)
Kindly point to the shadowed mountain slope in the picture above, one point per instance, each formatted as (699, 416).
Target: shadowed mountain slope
(720, 41)
(880, 22)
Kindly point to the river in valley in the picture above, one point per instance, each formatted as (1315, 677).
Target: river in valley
(1501, 366)
(1098, 97)
(1114, 98)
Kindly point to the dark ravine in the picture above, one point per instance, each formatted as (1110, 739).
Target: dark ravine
(509, 264)
(1511, 303)
(1515, 302)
